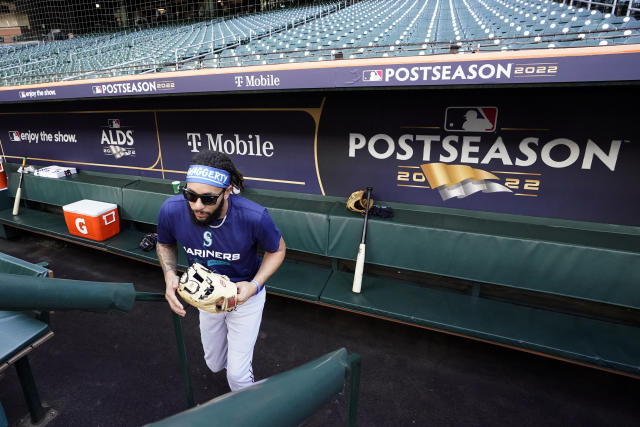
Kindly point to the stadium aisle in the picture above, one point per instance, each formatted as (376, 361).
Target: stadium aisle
(122, 369)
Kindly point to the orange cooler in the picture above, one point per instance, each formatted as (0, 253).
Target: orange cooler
(3, 176)
(92, 219)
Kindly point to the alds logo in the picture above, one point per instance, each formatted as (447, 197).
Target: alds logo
(117, 140)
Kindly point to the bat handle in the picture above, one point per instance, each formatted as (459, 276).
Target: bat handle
(357, 278)
(16, 204)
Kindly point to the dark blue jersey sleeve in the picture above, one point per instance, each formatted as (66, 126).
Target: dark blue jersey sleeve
(267, 233)
(165, 229)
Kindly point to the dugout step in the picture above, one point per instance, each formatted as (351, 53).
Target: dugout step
(569, 337)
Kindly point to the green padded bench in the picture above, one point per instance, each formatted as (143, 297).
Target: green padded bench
(19, 335)
(570, 264)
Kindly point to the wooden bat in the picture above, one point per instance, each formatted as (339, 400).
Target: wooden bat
(357, 278)
(16, 204)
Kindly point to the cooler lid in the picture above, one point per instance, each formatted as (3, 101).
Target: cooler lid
(89, 207)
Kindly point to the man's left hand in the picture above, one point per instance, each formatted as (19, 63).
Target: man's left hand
(245, 291)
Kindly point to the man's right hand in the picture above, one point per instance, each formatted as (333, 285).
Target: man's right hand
(172, 281)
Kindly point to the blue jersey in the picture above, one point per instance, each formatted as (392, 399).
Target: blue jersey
(230, 249)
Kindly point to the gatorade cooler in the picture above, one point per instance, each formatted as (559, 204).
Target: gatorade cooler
(92, 219)
(3, 176)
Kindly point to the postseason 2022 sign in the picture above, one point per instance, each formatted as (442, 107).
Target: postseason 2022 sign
(549, 66)
(482, 152)
(474, 151)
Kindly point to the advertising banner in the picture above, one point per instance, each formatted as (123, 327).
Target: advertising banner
(122, 142)
(510, 155)
(274, 148)
(608, 64)
(476, 151)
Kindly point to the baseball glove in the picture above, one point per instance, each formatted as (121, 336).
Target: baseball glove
(148, 242)
(207, 290)
(357, 202)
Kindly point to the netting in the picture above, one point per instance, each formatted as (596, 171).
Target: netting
(48, 20)
(105, 38)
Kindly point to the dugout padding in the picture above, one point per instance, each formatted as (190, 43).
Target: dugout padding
(59, 192)
(36, 293)
(142, 198)
(13, 265)
(302, 219)
(594, 262)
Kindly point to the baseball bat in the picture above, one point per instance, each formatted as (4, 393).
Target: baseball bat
(357, 278)
(16, 203)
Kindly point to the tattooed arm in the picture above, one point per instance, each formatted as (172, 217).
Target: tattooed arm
(168, 257)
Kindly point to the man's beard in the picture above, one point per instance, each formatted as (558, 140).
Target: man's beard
(213, 217)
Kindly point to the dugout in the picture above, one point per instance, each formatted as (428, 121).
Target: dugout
(516, 217)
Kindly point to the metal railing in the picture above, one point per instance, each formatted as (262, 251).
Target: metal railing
(253, 35)
(612, 6)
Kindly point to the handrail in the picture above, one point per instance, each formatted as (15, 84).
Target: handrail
(285, 399)
(20, 63)
(110, 68)
(37, 293)
(263, 33)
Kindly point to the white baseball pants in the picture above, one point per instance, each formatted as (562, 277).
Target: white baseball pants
(228, 340)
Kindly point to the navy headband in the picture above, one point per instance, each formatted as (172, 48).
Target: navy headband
(208, 175)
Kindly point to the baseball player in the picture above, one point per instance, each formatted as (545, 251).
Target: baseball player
(221, 231)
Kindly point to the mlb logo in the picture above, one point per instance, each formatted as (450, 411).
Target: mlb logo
(23, 94)
(372, 76)
(14, 136)
(97, 89)
(114, 123)
(471, 119)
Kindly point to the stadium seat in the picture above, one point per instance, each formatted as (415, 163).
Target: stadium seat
(366, 29)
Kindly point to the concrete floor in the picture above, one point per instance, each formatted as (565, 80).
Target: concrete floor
(122, 369)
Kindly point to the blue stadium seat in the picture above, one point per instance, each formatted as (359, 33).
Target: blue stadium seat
(369, 28)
